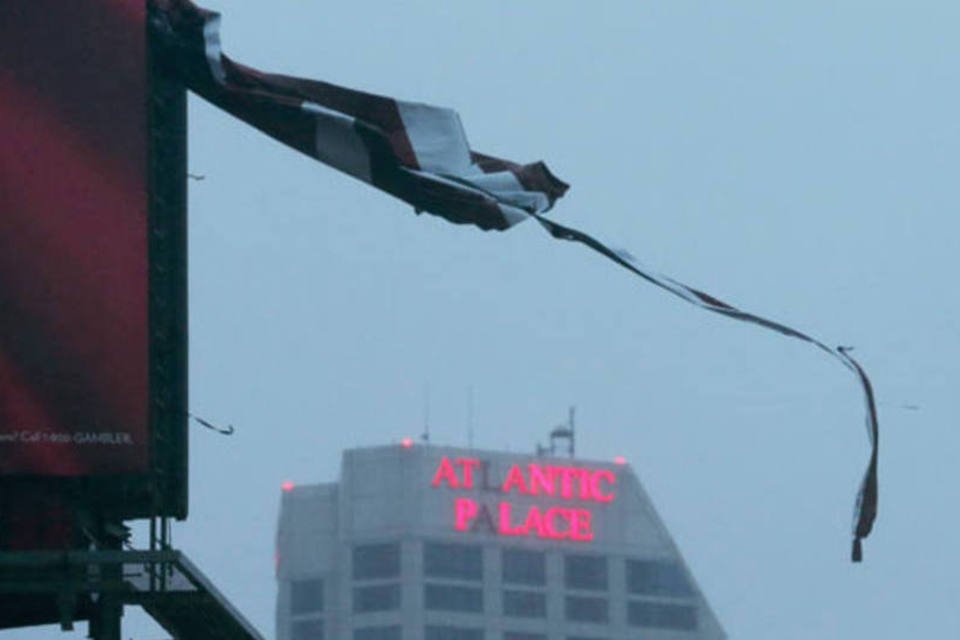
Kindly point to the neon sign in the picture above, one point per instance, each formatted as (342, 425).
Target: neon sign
(564, 484)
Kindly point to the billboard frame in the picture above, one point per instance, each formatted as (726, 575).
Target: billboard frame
(161, 489)
(164, 491)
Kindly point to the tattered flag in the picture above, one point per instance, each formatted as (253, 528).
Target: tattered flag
(419, 153)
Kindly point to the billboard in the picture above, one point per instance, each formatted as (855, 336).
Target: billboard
(92, 258)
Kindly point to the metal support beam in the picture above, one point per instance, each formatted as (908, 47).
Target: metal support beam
(100, 583)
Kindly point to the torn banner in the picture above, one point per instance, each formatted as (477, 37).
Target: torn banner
(419, 153)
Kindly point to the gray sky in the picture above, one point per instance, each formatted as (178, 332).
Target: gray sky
(796, 159)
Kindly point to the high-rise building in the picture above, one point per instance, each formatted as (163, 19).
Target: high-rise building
(421, 542)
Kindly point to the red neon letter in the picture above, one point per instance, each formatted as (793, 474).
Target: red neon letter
(548, 521)
(466, 510)
(534, 523)
(595, 490)
(515, 477)
(445, 472)
(468, 465)
(541, 480)
(584, 475)
(581, 526)
(566, 477)
(505, 527)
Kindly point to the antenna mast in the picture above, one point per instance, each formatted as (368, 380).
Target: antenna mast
(425, 436)
(562, 432)
(470, 417)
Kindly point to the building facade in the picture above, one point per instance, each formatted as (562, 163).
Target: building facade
(421, 542)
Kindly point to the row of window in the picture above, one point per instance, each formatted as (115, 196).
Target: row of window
(306, 596)
(526, 604)
(380, 597)
(373, 561)
(516, 603)
(518, 567)
(313, 630)
(522, 567)
(444, 632)
(533, 604)
(307, 630)
(458, 633)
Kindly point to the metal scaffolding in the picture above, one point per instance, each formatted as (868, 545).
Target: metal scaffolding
(96, 585)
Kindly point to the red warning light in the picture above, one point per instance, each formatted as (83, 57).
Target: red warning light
(287, 486)
(619, 460)
(406, 443)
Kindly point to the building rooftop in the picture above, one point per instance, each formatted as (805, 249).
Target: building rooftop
(419, 541)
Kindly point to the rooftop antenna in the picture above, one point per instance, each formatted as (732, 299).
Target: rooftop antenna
(470, 417)
(425, 436)
(565, 432)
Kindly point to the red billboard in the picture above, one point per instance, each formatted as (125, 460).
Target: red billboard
(92, 362)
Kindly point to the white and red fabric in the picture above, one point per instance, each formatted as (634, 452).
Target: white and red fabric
(419, 153)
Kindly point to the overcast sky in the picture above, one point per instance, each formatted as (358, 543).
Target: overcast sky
(796, 159)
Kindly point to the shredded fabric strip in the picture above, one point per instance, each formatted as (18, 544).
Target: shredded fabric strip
(419, 154)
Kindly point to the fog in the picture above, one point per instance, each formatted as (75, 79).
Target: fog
(796, 159)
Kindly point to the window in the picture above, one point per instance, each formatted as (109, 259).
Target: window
(585, 572)
(656, 577)
(585, 609)
(523, 567)
(662, 616)
(306, 596)
(371, 561)
(307, 630)
(392, 632)
(381, 597)
(436, 632)
(446, 597)
(523, 635)
(524, 604)
(461, 561)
